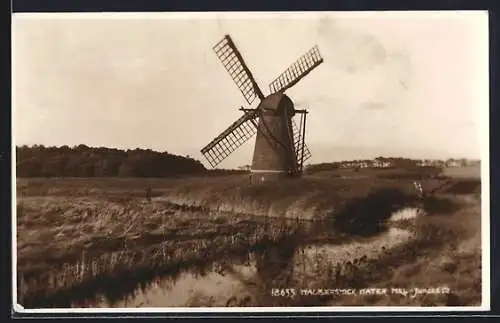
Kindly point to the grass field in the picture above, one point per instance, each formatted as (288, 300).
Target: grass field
(77, 238)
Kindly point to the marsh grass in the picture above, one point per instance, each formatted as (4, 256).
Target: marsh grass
(312, 196)
(114, 274)
(464, 186)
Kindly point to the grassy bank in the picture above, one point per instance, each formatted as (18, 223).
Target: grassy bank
(305, 198)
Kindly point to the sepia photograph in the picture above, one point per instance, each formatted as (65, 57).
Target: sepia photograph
(253, 161)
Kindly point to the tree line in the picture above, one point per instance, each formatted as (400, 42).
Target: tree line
(84, 161)
(389, 162)
(396, 162)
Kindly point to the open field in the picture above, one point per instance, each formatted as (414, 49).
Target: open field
(81, 238)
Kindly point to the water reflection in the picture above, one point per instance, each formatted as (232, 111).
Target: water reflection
(405, 214)
(247, 280)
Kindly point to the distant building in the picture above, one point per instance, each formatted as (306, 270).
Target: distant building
(426, 163)
(380, 164)
(452, 163)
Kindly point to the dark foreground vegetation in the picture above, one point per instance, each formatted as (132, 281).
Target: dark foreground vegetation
(366, 215)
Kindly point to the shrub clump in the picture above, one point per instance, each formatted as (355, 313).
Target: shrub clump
(367, 215)
(439, 205)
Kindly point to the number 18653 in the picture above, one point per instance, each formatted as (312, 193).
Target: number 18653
(283, 292)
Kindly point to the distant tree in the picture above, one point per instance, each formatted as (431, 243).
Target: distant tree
(81, 148)
(54, 166)
(125, 170)
(30, 167)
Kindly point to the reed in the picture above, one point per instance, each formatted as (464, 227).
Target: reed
(95, 273)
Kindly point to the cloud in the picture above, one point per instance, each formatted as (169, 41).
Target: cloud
(352, 51)
(372, 105)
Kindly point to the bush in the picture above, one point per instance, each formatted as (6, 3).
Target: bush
(366, 215)
(433, 204)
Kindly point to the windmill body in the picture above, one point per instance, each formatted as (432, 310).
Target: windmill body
(274, 152)
(280, 148)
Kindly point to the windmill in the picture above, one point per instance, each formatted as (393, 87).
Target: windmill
(280, 147)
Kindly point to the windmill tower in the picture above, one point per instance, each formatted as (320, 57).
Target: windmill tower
(280, 149)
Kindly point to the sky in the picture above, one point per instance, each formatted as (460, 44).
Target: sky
(410, 84)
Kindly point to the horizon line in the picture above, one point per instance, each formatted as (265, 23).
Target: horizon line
(192, 157)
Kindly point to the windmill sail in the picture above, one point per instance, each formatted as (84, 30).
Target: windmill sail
(230, 139)
(305, 64)
(233, 62)
(297, 141)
